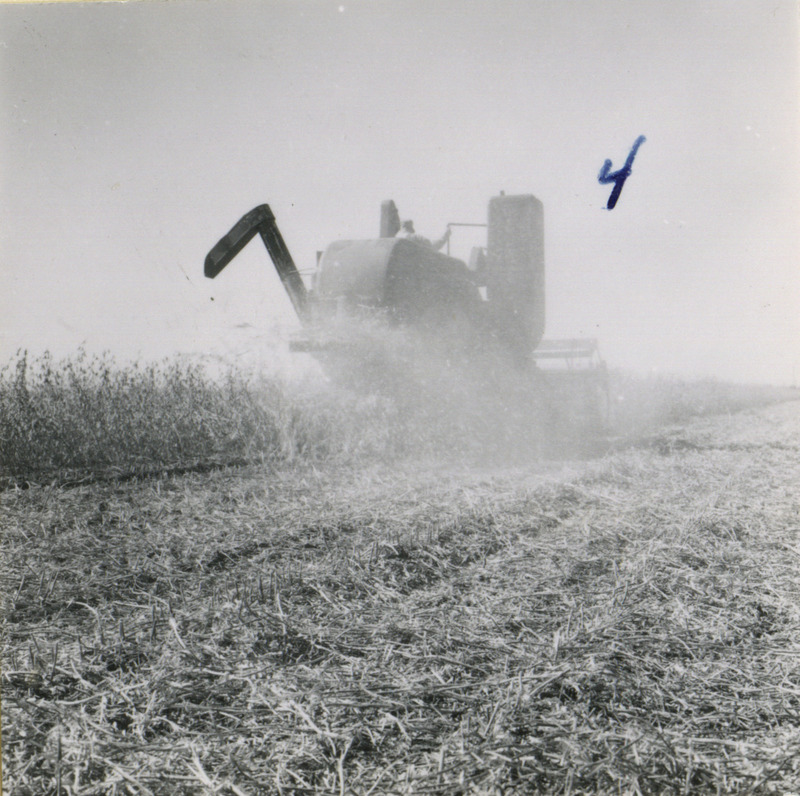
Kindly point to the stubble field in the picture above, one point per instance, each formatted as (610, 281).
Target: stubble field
(623, 624)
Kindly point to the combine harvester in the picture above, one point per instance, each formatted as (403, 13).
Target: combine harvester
(378, 308)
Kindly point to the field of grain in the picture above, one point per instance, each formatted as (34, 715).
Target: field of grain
(337, 623)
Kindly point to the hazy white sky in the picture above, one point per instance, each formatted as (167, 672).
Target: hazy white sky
(133, 135)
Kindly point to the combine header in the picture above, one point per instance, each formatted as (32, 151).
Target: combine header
(486, 313)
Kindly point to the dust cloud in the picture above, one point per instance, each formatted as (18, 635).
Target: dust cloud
(399, 392)
(456, 402)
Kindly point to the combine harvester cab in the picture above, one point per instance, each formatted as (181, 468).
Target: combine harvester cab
(488, 316)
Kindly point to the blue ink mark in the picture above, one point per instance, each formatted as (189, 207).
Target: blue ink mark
(618, 177)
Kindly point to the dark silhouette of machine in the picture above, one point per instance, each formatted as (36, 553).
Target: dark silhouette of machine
(483, 313)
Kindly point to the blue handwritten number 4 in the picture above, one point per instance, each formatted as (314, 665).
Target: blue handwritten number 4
(618, 177)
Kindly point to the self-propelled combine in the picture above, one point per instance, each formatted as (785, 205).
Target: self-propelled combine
(484, 313)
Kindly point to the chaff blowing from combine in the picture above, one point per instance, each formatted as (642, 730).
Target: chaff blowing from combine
(385, 312)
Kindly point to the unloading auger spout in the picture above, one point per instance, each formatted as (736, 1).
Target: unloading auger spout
(261, 221)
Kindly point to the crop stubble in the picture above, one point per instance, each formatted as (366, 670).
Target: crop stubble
(624, 625)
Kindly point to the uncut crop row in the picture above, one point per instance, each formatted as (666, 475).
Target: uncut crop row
(91, 415)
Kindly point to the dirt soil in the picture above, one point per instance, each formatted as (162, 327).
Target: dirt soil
(628, 624)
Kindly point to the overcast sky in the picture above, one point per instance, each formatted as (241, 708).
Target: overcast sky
(133, 135)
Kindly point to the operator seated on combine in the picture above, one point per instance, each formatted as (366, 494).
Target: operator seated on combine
(407, 231)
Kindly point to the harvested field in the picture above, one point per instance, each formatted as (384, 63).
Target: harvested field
(629, 624)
